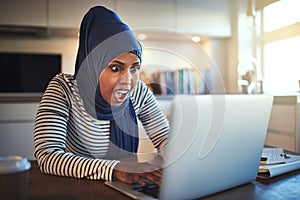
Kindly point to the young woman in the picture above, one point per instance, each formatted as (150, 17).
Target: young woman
(87, 122)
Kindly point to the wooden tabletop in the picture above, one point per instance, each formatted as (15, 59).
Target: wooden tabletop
(42, 186)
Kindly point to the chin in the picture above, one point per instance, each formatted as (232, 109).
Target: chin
(116, 103)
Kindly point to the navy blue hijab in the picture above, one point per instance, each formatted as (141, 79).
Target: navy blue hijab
(103, 37)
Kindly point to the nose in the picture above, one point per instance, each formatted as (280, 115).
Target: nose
(126, 77)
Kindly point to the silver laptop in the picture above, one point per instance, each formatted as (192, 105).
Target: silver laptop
(216, 142)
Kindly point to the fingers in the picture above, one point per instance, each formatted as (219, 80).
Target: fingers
(151, 177)
(141, 181)
(158, 173)
(140, 173)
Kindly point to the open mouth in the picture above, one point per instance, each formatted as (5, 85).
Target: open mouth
(120, 95)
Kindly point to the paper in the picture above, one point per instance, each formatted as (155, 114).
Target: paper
(291, 163)
(273, 156)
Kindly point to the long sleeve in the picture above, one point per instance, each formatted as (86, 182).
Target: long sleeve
(57, 130)
(151, 116)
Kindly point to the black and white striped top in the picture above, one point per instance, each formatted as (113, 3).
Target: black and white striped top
(70, 142)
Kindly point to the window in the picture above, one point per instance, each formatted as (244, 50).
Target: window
(280, 46)
(280, 14)
(282, 65)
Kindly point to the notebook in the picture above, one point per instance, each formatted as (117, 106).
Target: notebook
(277, 162)
(216, 143)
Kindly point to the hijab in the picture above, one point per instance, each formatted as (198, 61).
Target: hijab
(103, 37)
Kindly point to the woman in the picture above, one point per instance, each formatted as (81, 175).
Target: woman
(86, 123)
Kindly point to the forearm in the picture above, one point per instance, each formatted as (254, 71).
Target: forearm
(156, 125)
(70, 165)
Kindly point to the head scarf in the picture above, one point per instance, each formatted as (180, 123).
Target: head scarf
(103, 37)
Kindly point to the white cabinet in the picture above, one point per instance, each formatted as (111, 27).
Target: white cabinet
(16, 128)
(185, 16)
(283, 128)
(204, 17)
(25, 13)
(69, 13)
(16, 138)
(144, 14)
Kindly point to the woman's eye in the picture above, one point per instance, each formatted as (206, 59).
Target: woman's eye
(134, 69)
(116, 68)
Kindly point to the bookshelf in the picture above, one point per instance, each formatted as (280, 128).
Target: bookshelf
(170, 82)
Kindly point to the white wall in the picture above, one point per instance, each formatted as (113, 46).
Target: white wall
(176, 54)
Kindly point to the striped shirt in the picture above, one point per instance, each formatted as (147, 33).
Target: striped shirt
(70, 142)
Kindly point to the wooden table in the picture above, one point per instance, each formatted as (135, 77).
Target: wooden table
(45, 187)
(42, 186)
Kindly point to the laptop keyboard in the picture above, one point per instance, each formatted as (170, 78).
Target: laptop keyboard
(150, 189)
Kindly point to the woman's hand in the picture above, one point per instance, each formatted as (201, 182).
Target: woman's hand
(130, 171)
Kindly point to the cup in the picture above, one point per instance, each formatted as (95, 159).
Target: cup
(14, 172)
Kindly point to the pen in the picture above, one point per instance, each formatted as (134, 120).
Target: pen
(263, 161)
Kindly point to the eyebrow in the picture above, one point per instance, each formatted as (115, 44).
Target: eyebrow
(121, 63)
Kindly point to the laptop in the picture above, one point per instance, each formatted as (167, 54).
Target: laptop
(215, 144)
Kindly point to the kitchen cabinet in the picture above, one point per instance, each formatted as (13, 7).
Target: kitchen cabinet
(23, 13)
(16, 128)
(204, 17)
(188, 17)
(138, 14)
(69, 13)
(211, 18)
(145, 14)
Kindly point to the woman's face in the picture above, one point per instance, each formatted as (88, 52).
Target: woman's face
(119, 78)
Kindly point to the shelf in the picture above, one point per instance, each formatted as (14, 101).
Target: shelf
(20, 97)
